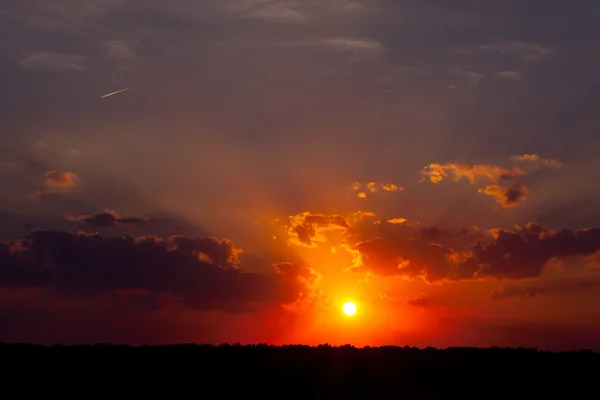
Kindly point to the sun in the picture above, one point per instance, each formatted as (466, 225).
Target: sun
(349, 308)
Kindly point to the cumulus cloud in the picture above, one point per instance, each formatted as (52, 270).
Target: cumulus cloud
(506, 195)
(202, 273)
(308, 229)
(521, 253)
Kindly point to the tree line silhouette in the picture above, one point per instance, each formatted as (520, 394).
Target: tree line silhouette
(298, 371)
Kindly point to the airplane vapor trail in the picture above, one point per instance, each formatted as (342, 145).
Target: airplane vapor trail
(117, 92)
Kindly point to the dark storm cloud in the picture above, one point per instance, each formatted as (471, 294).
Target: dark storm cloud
(521, 253)
(203, 273)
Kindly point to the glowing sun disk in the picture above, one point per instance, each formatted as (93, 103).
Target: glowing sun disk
(349, 309)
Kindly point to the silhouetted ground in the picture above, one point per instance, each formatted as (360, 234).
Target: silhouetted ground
(323, 372)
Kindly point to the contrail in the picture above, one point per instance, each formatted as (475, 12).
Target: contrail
(117, 92)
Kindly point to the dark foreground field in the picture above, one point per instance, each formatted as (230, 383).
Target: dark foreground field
(323, 372)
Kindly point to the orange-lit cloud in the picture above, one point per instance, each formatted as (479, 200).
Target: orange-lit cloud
(61, 179)
(505, 195)
(510, 196)
(535, 161)
(396, 221)
(307, 229)
(57, 183)
(522, 253)
(371, 187)
(473, 173)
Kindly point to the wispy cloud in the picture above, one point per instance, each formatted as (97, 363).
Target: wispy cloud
(359, 49)
(58, 14)
(268, 10)
(535, 161)
(515, 48)
(355, 49)
(509, 76)
(472, 77)
(524, 50)
(120, 49)
(58, 62)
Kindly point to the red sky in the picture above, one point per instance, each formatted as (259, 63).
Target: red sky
(434, 164)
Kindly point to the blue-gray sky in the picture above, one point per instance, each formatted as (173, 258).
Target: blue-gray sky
(243, 111)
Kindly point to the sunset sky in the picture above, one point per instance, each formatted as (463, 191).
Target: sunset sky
(434, 162)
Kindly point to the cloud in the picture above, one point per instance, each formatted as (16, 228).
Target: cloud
(400, 256)
(522, 253)
(61, 179)
(420, 302)
(372, 187)
(307, 229)
(397, 221)
(513, 48)
(359, 49)
(510, 196)
(120, 50)
(534, 161)
(509, 76)
(472, 77)
(47, 194)
(202, 273)
(524, 50)
(435, 234)
(506, 195)
(473, 173)
(547, 289)
(268, 10)
(293, 11)
(107, 218)
(432, 301)
(58, 62)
